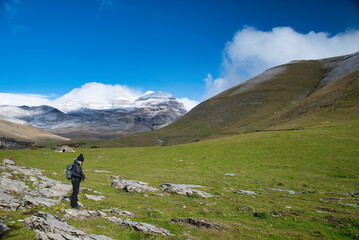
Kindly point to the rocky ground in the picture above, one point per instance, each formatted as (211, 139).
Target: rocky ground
(27, 188)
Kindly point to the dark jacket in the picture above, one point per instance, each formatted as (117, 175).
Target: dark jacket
(77, 171)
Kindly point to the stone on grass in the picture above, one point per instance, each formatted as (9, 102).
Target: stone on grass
(245, 192)
(184, 189)
(48, 226)
(120, 212)
(83, 214)
(280, 190)
(8, 162)
(132, 185)
(198, 223)
(95, 197)
(144, 228)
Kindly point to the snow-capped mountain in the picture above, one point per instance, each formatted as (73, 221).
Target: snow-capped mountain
(151, 111)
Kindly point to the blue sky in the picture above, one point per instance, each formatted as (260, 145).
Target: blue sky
(176, 46)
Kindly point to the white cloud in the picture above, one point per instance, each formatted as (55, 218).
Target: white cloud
(19, 99)
(252, 51)
(95, 95)
(188, 103)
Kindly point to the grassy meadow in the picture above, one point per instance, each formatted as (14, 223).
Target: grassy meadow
(318, 163)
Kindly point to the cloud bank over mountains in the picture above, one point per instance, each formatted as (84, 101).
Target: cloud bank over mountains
(252, 51)
(90, 95)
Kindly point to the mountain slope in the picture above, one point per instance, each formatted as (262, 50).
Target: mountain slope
(25, 133)
(291, 96)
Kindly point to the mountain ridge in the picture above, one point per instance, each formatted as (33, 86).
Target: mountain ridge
(149, 112)
(290, 96)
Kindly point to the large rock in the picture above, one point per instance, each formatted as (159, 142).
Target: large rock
(246, 192)
(48, 226)
(184, 189)
(132, 185)
(83, 214)
(198, 223)
(120, 212)
(144, 228)
(94, 197)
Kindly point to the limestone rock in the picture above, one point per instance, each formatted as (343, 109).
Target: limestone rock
(8, 162)
(198, 223)
(132, 186)
(95, 197)
(83, 214)
(184, 189)
(121, 212)
(245, 192)
(144, 228)
(280, 190)
(48, 226)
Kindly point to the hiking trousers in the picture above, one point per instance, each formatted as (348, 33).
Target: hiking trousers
(75, 192)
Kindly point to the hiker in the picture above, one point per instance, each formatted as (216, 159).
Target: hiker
(77, 177)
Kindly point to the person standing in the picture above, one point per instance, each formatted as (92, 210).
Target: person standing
(77, 177)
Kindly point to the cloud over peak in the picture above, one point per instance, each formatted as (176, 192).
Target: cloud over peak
(90, 95)
(252, 51)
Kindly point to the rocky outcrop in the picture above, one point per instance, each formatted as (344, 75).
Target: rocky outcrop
(184, 189)
(49, 227)
(132, 186)
(246, 192)
(144, 228)
(83, 214)
(94, 197)
(280, 190)
(198, 223)
(16, 195)
(120, 212)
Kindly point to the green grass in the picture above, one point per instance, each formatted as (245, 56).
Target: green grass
(324, 160)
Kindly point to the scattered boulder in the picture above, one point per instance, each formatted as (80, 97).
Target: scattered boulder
(230, 174)
(144, 228)
(83, 214)
(280, 190)
(184, 189)
(245, 192)
(132, 186)
(94, 197)
(48, 226)
(120, 212)
(9, 162)
(198, 223)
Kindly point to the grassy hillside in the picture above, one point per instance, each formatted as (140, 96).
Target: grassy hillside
(321, 164)
(26, 133)
(292, 98)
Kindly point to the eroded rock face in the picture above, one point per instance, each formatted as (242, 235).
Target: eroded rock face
(48, 226)
(144, 228)
(132, 185)
(184, 189)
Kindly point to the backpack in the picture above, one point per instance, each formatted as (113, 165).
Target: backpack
(69, 171)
